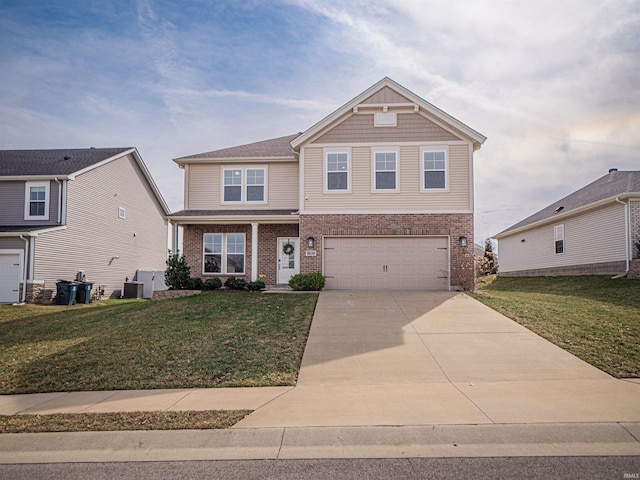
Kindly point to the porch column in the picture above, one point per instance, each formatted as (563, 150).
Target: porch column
(254, 252)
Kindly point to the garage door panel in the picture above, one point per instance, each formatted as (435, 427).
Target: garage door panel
(9, 278)
(399, 263)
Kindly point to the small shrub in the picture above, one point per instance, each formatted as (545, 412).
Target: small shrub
(194, 283)
(307, 281)
(256, 286)
(235, 283)
(212, 283)
(177, 274)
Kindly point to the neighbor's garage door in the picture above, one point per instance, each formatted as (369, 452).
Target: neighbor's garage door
(387, 263)
(9, 277)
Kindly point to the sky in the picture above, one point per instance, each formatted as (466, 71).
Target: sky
(553, 84)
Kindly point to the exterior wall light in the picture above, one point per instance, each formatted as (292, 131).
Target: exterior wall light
(311, 242)
(463, 241)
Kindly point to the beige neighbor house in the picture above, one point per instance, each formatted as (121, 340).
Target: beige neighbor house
(377, 195)
(592, 231)
(95, 210)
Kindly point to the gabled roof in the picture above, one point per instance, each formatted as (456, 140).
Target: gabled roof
(52, 162)
(608, 188)
(273, 148)
(67, 163)
(435, 114)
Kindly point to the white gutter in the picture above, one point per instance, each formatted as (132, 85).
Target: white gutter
(627, 235)
(24, 269)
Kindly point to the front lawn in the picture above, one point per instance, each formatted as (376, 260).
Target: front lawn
(593, 317)
(209, 340)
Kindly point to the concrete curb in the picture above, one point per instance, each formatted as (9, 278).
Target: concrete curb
(569, 439)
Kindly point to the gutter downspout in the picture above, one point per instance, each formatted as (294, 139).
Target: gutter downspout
(59, 199)
(626, 235)
(24, 269)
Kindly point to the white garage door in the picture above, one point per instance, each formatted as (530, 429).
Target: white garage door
(386, 263)
(9, 277)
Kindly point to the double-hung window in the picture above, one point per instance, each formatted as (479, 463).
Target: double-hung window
(36, 201)
(337, 171)
(434, 169)
(244, 185)
(385, 171)
(255, 185)
(223, 253)
(558, 237)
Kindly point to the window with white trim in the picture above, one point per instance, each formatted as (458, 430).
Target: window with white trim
(434, 170)
(337, 171)
(385, 171)
(223, 253)
(558, 237)
(255, 185)
(121, 212)
(244, 185)
(36, 201)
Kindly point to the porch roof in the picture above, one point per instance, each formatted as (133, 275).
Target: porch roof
(185, 217)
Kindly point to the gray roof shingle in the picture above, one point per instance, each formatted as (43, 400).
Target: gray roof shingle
(615, 183)
(275, 147)
(52, 162)
(204, 213)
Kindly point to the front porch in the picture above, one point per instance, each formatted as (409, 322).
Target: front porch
(243, 244)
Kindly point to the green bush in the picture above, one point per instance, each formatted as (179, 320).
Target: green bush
(212, 283)
(235, 283)
(177, 275)
(307, 281)
(256, 286)
(195, 283)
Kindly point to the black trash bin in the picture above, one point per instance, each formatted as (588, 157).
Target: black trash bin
(84, 292)
(65, 293)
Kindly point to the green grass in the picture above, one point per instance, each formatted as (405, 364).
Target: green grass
(593, 317)
(99, 422)
(208, 340)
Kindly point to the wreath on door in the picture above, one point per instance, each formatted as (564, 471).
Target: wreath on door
(287, 249)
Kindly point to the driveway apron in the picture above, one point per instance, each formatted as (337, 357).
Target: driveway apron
(421, 358)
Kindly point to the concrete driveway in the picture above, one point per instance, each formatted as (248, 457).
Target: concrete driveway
(421, 358)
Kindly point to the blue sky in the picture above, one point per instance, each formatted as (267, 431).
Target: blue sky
(553, 84)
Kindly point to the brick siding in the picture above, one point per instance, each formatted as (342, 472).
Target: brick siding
(453, 225)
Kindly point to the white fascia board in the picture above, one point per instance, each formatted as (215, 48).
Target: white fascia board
(33, 233)
(563, 215)
(387, 82)
(184, 161)
(34, 178)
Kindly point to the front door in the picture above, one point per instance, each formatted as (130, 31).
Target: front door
(288, 258)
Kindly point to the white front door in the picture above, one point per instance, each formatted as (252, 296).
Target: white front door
(288, 258)
(10, 268)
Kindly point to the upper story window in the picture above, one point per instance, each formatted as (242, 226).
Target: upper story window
(434, 169)
(385, 171)
(36, 202)
(240, 185)
(255, 185)
(337, 171)
(558, 236)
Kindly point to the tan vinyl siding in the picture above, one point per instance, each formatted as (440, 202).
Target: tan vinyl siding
(386, 95)
(597, 236)
(408, 199)
(12, 197)
(95, 234)
(205, 185)
(411, 127)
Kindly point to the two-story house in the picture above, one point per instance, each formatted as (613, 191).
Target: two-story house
(377, 195)
(95, 210)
